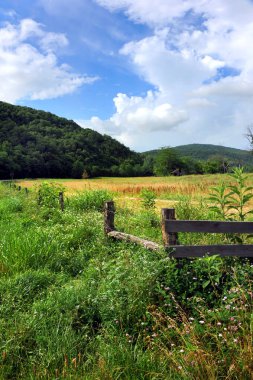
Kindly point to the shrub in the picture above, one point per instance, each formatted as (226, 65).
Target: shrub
(90, 200)
(148, 199)
(48, 199)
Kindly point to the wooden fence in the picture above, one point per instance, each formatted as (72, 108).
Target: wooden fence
(19, 188)
(170, 228)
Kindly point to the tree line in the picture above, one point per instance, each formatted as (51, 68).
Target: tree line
(38, 144)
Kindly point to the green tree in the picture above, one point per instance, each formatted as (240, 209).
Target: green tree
(167, 161)
(77, 169)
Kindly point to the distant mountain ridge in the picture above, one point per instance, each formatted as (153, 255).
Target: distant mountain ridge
(204, 152)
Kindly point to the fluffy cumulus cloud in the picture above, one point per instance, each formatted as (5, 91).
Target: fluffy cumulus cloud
(29, 68)
(200, 61)
(137, 115)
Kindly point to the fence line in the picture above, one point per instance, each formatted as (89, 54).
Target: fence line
(170, 228)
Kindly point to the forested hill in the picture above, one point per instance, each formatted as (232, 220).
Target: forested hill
(39, 144)
(204, 152)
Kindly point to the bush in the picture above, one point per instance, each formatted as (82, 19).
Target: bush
(90, 200)
(148, 199)
(48, 199)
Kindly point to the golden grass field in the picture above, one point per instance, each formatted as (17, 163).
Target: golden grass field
(167, 189)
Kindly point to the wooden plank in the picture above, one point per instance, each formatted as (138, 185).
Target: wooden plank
(134, 239)
(181, 251)
(208, 226)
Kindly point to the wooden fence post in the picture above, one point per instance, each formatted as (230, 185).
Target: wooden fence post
(19, 188)
(61, 200)
(169, 238)
(109, 211)
(26, 190)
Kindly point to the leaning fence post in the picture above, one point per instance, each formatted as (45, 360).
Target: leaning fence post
(61, 200)
(169, 238)
(109, 211)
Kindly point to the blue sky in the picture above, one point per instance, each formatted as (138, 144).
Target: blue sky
(175, 73)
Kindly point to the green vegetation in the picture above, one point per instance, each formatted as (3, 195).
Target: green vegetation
(207, 151)
(38, 144)
(231, 202)
(76, 305)
(200, 158)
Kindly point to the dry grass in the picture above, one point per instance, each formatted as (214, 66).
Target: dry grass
(167, 189)
(193, 185)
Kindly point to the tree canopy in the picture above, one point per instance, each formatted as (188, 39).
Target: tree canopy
(39, 144)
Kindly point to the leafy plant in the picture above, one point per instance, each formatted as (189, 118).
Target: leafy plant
(222, 200)
(234, 197)
(148, 199)
(240, 195)
(231, 201)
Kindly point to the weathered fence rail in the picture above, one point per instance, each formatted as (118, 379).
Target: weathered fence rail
(170, 228)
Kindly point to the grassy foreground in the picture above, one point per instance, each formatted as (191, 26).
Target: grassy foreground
(75, 305)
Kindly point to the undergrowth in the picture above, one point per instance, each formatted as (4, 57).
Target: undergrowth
(76, 305)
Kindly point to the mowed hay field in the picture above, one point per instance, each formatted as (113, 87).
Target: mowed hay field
(167, 189)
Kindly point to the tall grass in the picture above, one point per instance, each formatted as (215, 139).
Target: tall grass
(74, 305)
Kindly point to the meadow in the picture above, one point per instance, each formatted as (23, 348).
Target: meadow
(185, 185)
(168, 190)
(77, 305)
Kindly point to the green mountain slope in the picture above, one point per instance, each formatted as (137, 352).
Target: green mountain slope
(39, 144)
(204, 152)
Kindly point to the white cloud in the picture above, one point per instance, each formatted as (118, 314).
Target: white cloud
(200, 61)
(199, 102)
(144, 11)
(229, 87)
(136, 116)
(29, 67)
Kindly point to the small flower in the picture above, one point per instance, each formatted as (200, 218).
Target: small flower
(181, 351)
(220, 335)
(218, 323)
(201, 322)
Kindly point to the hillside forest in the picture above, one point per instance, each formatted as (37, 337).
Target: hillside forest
(38, 144)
